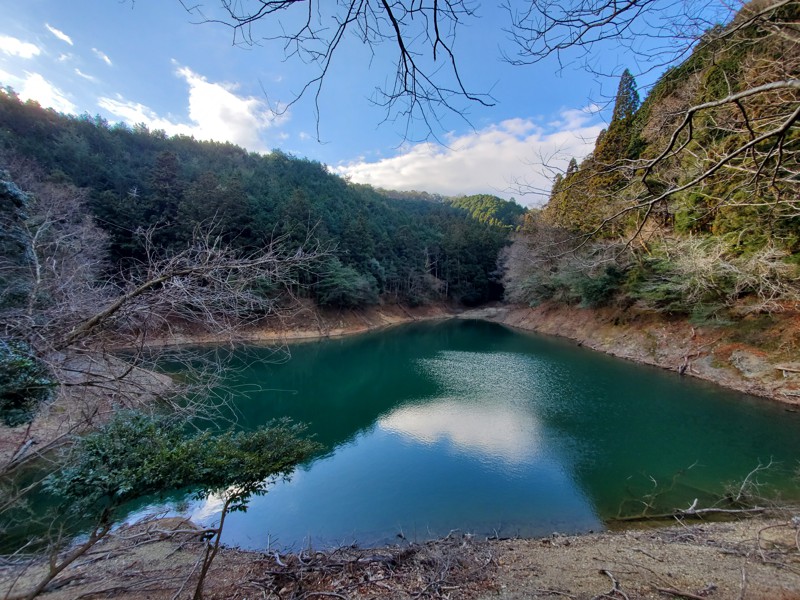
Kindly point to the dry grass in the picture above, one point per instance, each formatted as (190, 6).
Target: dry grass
(752, 559)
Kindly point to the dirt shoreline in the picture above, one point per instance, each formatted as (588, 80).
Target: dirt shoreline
(310, 323)
(758, 357)
(754, 559)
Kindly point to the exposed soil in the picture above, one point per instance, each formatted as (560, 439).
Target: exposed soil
(758, 355)
(309, 322)
(752, 559)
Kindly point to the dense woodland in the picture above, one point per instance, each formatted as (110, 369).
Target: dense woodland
(690, 202)
(411, 248)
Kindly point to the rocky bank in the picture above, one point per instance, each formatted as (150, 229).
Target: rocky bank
(758, 355)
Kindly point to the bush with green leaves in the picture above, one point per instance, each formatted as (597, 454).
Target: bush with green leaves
(136, 454)
(598, 290)
(24, 383)
(573, 287)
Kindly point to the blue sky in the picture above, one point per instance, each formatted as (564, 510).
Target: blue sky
(149, 62)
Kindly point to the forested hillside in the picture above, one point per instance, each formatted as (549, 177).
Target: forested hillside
(135, 181)
(690, 202)
(490, 209)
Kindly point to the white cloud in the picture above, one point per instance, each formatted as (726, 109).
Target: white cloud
(59, 34)
(15, 47)
(134, 113)
(498, 159)
(8, 79)
(35, 87)
(86, 76)
(216, 112)
(102, 56)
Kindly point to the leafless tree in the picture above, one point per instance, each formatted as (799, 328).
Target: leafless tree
(427, 81)
(653, 32)
(95, 332)
(90, 327)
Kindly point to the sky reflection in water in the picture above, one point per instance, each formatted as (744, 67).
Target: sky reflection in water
(474, 458)
(471, 426)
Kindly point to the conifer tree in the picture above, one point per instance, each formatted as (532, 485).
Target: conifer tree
(627, 102)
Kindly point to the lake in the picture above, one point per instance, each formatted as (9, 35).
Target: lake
(471, 426)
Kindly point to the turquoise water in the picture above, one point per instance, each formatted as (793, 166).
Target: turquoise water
(472, 426)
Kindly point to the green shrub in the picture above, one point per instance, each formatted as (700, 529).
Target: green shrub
(341, 285)
(536, 289)
(24, 383)
(600, 290)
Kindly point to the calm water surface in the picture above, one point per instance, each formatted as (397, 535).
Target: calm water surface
(469, 425)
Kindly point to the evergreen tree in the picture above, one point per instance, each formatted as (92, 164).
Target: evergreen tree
(627, 102)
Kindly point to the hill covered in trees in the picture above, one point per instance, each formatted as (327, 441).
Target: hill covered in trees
(690, 202)
(407, 248)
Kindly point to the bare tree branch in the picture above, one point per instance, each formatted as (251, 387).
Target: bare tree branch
(427, 78)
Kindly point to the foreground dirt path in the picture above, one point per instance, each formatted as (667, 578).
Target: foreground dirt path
(753, 559)
(748, 560)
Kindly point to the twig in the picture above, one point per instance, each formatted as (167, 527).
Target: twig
(647, 554)
(553, 592)
(615, 590)
(743, 587)
(679, 593)
(188, 577)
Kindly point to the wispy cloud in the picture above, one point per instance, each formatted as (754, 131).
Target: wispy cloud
(102, 56)
(35, 87)
(86, 76)
(514, 157)
(215, 112)
(16, 47)
(59, 34)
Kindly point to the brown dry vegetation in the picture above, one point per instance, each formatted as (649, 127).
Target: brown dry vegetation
(751, 559)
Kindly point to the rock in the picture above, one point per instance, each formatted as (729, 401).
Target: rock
(751, 365)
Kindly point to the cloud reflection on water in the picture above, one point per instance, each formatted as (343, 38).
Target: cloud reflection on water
(471, 413)
(209, 507)
(489, 430)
